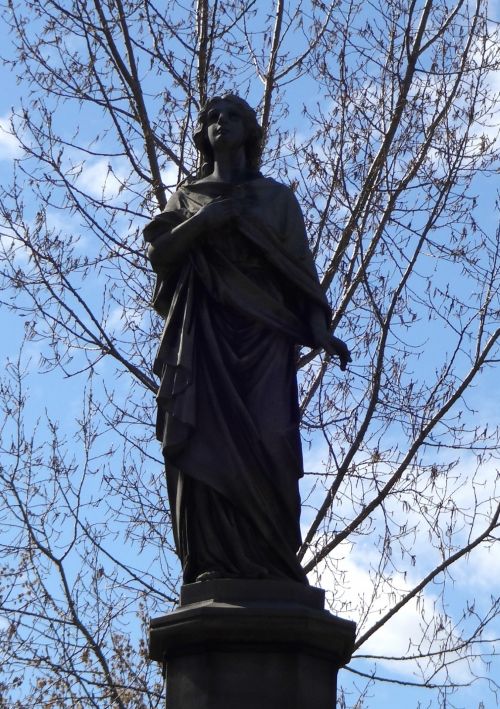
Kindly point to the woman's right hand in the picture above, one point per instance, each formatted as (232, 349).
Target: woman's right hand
(216, 214)
(173, 246)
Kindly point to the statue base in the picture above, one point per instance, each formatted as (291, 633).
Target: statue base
(239, 644)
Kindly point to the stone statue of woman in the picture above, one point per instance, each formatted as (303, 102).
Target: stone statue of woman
(238, 289)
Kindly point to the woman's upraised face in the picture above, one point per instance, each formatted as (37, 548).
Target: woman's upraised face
(225, 127)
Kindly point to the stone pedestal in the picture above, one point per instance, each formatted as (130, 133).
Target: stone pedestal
(234, 644)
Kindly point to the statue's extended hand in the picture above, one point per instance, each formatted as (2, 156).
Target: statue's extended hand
(338, 348)
(217, 213)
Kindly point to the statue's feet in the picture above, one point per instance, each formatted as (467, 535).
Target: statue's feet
(208, 576)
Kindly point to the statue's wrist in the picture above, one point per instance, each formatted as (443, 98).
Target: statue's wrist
(321, 338)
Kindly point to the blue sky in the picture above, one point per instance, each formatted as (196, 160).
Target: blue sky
(50, 392)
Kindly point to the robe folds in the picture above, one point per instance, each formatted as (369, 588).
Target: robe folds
(235, 306)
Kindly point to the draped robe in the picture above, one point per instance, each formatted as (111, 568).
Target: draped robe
(235, 307)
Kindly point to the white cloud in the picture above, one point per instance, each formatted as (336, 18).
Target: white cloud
(101, 180)
(169, 177)
(363, 585)
(365, 598)
(9, 144)
(356, 588)
(12, 248)
(480, 572)
(119, 317)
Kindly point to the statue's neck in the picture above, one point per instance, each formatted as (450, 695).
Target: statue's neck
(229, 166)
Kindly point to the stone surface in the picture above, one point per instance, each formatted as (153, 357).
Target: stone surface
(241, 645)
(240, 590)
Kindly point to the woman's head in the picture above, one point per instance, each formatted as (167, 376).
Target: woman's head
(253, 133)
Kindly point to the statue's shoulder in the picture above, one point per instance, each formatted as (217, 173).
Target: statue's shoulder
(181, 197)
(182, 188)
(277, 189)
(274, 184)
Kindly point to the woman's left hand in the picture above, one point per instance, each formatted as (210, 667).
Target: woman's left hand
(338, 348)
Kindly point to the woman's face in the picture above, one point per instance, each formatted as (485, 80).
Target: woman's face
(225, 127)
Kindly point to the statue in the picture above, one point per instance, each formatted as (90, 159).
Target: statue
(238, 289)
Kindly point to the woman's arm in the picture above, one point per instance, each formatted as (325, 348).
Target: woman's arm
(326, 339)
(172, 246)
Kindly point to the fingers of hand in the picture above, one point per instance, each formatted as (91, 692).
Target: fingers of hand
(217, 213)
(339, 348)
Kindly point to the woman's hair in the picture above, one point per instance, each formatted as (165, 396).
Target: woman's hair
(253, 133)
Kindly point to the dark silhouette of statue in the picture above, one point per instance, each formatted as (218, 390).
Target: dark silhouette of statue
(238, 289)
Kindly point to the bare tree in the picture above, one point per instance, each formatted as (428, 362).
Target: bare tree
(384, 119)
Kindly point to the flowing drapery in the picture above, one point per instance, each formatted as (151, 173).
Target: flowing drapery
(235, 307)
